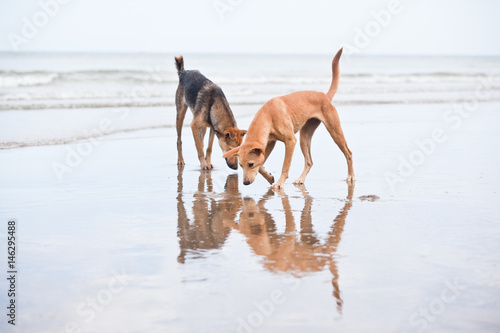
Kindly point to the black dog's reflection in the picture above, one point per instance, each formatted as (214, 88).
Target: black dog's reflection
(284, 252)
(208, 229)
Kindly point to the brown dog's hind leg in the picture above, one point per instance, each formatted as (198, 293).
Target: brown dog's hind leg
(306, 133)
(332, 123)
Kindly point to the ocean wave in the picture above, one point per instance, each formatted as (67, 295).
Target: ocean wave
(82, 105)
(57, 95)
(70, 94)
(140, 88)
(147, 104)
(16, 98)
(10, 79)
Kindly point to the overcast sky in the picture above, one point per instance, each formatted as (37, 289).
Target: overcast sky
(427, 27)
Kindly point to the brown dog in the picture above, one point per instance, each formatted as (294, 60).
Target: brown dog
(210, 109)
(282, 117)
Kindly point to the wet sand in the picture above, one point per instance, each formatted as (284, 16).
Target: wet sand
(127, 242)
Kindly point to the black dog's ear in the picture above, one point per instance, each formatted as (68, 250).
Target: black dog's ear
(230, 134)
(256, 151)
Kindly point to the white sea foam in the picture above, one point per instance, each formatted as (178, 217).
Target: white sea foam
(20, 79)
(9, 80)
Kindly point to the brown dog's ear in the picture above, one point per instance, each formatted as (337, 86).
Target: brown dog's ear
(256, 151)
(243, 132)
(232, 152)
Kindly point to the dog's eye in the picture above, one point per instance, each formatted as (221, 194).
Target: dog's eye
(250, 165)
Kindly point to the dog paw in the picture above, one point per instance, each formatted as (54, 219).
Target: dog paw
(180, 162)
(277, 187)
(270, 179)
(350, 179)
(299, 182)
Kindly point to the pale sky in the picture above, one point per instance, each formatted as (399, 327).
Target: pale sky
(414, 27)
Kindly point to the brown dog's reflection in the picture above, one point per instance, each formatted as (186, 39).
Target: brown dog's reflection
(287, 251)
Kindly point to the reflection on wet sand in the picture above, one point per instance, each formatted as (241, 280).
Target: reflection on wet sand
(215, 214)
(207, 230)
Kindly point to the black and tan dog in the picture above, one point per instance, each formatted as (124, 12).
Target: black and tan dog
(210, 109)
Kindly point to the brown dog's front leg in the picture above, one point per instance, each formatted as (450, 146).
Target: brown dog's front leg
(266, 175)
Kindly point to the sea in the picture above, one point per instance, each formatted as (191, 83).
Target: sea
(60, 98)
(115, 237)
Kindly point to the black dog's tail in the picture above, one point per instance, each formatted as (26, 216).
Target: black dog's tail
(179, 63)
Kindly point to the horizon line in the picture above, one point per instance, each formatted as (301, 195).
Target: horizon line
(243, 53)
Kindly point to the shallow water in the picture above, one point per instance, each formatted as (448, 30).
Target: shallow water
(124, 241)
(128, 243)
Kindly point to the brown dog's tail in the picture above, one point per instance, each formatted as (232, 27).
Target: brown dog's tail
(335, 75)
(179, 63)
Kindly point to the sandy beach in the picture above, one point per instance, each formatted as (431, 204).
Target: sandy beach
(126, 242)
(102, 232)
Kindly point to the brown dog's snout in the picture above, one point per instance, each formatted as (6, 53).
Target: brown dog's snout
(232, 163)
(246, 182)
